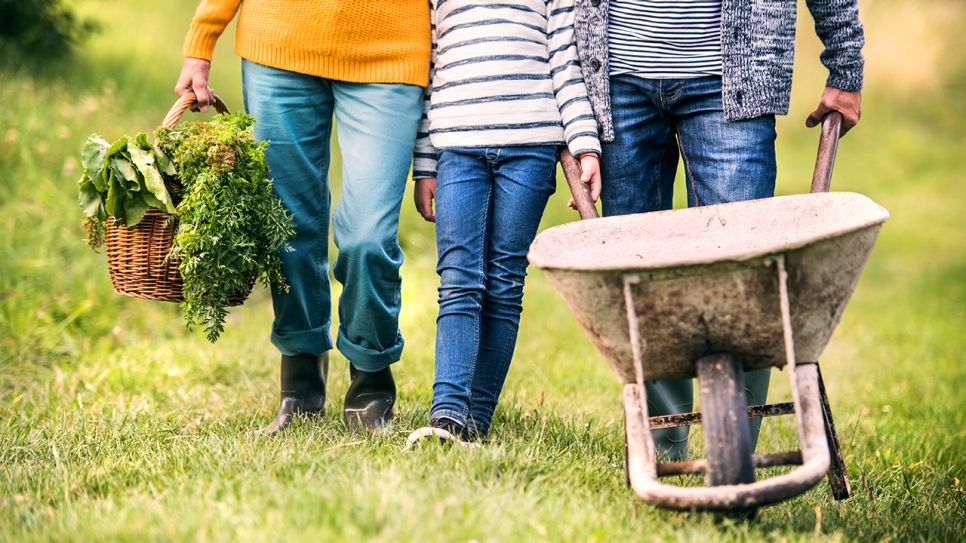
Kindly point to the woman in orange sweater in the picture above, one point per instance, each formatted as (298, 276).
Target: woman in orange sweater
(364, 63)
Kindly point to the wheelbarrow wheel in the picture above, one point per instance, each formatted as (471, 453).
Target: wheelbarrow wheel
(727, 437)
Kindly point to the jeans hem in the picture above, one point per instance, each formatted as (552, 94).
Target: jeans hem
(314, 341)
(366, 359)
(450, 414)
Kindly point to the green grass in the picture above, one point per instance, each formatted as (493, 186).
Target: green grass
(116, 424)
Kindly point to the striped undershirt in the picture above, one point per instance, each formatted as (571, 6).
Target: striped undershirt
(504, 73)
(665, 39)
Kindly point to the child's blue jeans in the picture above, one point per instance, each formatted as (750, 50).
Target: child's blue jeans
(377, 133)
(488, 206)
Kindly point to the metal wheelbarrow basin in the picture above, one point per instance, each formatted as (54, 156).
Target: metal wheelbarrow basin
(710, 292)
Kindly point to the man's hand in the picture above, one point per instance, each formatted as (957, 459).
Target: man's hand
(194, 78)
(849, 104)
(590, 176)
(425, 194)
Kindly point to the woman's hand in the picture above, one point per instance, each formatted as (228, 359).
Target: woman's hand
(590, 176)
(194, 78)
(425, 195)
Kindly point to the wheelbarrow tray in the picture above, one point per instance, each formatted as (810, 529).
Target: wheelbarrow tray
(706, 280)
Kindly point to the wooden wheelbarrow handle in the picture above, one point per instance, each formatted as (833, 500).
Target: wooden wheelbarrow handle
(821, 179)
(580, 192)
(828, 144)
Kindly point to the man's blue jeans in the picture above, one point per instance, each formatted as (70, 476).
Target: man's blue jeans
(377, 130)
(488, 206)
(723, 162)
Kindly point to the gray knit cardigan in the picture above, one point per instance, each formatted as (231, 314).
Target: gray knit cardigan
(757, 52)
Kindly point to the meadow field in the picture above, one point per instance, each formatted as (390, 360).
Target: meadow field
(117, 424)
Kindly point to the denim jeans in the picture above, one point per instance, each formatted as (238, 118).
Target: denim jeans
(489, 202)
(377, 130)
(655, 121)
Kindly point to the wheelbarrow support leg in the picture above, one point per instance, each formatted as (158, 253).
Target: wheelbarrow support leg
(838, 473)
(811, 420)
(642, 468)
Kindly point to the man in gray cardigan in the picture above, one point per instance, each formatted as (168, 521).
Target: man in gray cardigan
(703, 80)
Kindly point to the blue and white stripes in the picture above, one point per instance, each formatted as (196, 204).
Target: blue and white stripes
(665, 39)
(504, 73)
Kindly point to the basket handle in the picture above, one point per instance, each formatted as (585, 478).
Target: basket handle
(571, 169)
(828, 144)
(185, 101)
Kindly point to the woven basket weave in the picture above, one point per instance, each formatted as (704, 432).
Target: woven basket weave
(136, 255)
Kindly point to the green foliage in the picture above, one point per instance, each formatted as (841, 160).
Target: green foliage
(231, 223)
(123, 180)
(39, 29)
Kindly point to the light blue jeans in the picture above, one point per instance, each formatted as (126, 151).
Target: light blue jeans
(723, 162)
(488, 207)
(376, 130)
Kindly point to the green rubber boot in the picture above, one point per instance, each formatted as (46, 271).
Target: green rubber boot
(302, 390)
(369, 400)
(675, 396)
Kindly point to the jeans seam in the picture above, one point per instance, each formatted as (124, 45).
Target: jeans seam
(689, 173)
(477, 337)
(660, 174)
(505, 366)
(505, 362)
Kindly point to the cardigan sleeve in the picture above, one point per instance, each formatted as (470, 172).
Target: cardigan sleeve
(837, 25)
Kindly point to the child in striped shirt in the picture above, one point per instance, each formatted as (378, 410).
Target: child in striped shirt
(506, 93)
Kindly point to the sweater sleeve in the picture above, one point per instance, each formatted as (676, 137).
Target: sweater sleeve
(580, 125)
(837, 25)
(424, 158)
(209, 22)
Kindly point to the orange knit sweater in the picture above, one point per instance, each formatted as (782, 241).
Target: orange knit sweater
(364, 41)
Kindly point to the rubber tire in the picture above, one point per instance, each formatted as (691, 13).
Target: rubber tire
(727, 438)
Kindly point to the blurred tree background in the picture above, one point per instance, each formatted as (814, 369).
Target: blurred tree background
(40, 30)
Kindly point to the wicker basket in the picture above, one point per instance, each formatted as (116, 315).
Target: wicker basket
(137, 255)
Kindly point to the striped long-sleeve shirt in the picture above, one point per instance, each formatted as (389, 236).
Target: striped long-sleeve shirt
(503, 74)
(665, 39)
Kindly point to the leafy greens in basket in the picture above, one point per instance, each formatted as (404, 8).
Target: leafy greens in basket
(213, 177)
(122, 180)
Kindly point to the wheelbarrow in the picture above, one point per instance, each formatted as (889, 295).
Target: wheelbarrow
(710, 292)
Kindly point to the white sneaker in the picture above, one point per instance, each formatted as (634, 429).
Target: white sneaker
(444, 436)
